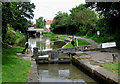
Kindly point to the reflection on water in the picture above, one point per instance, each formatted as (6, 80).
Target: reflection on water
(44, 44)
(61, 73)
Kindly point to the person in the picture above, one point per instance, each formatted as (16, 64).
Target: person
(72, 42)
(26, 46)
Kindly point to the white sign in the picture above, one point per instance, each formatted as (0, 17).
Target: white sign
(98, 33)
(109, 44)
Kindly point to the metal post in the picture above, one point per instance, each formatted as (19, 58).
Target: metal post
(115, 58)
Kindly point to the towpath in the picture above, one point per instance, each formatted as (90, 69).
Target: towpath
(88, 40)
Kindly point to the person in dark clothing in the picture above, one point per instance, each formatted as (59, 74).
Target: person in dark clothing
(72, 42)
(26, 46)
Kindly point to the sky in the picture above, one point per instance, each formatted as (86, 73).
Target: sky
(49, 8)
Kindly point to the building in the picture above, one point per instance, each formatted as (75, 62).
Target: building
(47, 26)
(33, 25)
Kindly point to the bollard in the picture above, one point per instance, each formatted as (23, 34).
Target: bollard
(115, 58)
(35, 51)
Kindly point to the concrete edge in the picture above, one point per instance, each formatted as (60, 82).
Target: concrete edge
(96, 72)
(33, 74)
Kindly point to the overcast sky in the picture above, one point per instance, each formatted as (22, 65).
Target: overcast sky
(48, 8)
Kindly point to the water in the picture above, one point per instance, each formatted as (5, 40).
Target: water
(44, 43)
(62, 73)
(57, 72)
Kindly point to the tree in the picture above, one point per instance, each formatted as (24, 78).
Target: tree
(72, 24)
(82, 16)
(40, 22)
(23, 12)
(17, 15)
(7, 17)
(60, 22)
(110, 12)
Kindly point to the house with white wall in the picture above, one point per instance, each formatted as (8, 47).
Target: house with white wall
(47, 26)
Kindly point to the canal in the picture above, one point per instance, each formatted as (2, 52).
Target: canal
(57, 72)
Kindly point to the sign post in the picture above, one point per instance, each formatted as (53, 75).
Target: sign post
(98, 33)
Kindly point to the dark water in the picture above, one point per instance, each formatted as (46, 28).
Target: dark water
(57, 72)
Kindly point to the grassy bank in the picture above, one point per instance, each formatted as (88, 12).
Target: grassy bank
(55, 36)
(112, 67)
(14, 68)
(80, 42)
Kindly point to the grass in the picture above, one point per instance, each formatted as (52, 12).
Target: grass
(14, 68)
(112, 67)
(55, 36)
(49, 34)
(0, 75)
(99, 39)
(80, 42)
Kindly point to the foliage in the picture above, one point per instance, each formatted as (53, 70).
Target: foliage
(108, 24)
(17, 15)
(60, 23)
(80, 21)
(40, 22)
(83, 16)
(83, 21)
(7, 16)
(12, 36)
(14, 68)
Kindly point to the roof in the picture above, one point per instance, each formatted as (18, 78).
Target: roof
(48, 22)
(32, 29)
(33, 25)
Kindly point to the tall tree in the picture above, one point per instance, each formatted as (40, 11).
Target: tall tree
(110, 12)
(60, 22)
(84, 19)
(40, 22)
(7, 17)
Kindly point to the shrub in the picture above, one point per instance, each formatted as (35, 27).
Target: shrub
(10, 36)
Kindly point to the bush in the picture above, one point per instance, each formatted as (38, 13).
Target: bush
(13, 37)
(10, 36)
